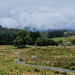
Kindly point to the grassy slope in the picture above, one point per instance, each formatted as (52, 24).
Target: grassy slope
(65, 39)
(9, 67)
(61, 56)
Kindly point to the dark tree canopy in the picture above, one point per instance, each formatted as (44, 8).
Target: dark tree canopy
(18, 42)
(58, 33)
(45, 42)
(7, 35)
(73, 41)
(22, 38)
(34, 35)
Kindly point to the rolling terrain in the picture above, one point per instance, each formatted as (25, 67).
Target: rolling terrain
(45, 56)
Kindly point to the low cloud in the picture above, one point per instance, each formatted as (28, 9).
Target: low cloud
(8, 22)
(39, 14)
(38, 20)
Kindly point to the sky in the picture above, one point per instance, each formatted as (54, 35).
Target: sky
(39, 14)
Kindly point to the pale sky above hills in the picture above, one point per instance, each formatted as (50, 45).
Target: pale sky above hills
(40, 14)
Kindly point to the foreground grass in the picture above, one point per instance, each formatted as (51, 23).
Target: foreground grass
(45, 55)
(60, 56)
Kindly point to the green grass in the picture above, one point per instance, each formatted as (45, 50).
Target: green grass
(51, 56)
(45, 56)
(65, 39)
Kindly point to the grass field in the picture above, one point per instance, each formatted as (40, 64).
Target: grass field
(64, 39)
(51, 56)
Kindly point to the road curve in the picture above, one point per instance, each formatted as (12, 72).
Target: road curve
(17, 60)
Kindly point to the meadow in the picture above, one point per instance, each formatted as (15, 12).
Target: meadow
(58, 56)
(64, 39)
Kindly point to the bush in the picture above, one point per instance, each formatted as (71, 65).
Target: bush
(37, 70)
(73, 41)
(52, 42)
(56, 72)
(41, 42)
(60, 42)
(64, 73)
(45, 42)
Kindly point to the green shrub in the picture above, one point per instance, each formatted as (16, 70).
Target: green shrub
(45, 42)
(73, 41)
(56, 72)
(64, 73)
(37, 70)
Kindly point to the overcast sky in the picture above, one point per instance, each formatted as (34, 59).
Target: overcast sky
(40, 14)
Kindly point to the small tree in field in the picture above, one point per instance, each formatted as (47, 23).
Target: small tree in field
(22, 39)
(18, 42)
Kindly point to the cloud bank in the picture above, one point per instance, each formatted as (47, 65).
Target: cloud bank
(39, 14)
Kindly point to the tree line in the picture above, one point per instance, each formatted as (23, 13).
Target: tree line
(57, 33)
(20, 38)
(7, 36)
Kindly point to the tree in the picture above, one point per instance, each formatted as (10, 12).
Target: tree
(41, 42)
(28, 40)
(45, 42)
(52, 42)
(7, 35)
(22, 38)
(57, 33)
(22, 33)
(18, 42)
(34, 35)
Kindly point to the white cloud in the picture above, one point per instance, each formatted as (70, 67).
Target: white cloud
(8, 22)
(40, 20)
(41, 14)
